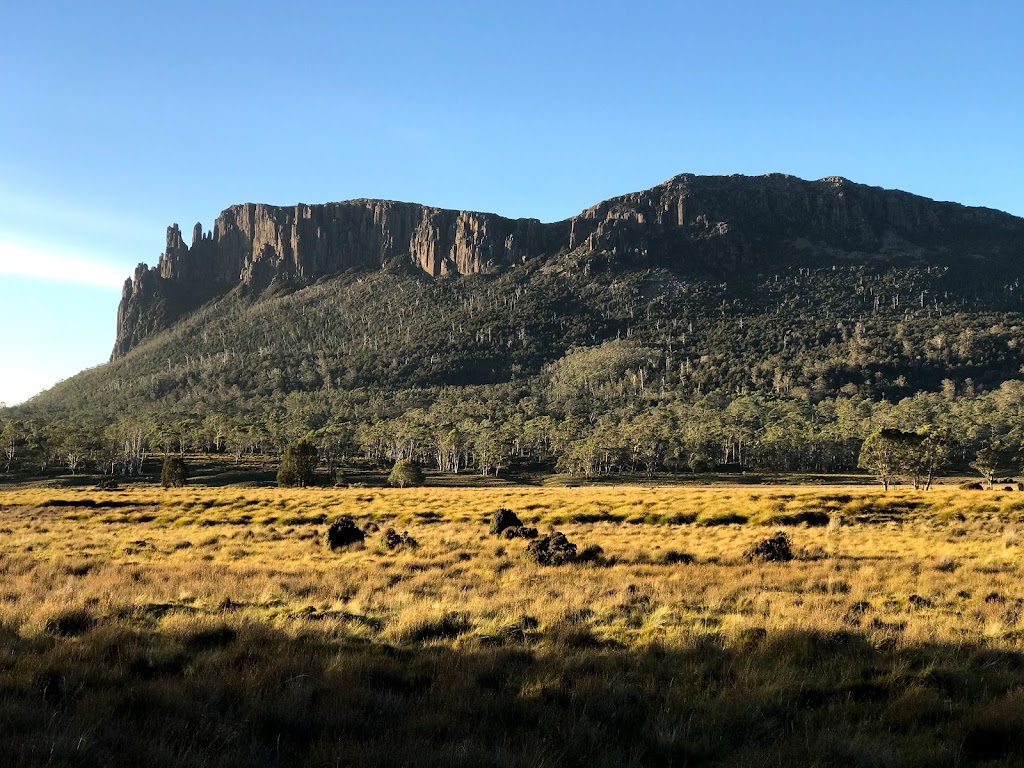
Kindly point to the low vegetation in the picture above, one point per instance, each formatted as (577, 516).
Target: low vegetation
(298, 465)
(405, 474)
(588, 370)
(201, 627)
(174, 473)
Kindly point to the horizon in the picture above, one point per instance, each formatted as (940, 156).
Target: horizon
(539, 114)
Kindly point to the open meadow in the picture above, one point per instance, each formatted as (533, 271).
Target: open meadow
(215, 627)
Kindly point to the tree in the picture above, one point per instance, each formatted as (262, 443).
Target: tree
(70, 442)
(298, 465)
(580, 457)
(12, 435)
(990, 457)
(936, 450)
(405, 474)
(175, 472)
(238, 440)
(450, 448)
(889, 453)
(334, 442)
(491, 447)
(648, 436)
(131, 435)
(73, 447)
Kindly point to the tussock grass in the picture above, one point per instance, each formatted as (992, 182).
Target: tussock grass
(215, 627)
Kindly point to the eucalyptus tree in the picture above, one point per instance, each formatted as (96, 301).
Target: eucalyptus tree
(12, 437)
(889, 454)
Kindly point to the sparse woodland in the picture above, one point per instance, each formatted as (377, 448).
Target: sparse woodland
(624, 372)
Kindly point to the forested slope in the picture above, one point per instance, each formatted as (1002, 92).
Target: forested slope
(805, 299)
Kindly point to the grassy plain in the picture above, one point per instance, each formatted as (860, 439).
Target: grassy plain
(199, 627)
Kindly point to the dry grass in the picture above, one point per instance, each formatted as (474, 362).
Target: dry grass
(214, 627)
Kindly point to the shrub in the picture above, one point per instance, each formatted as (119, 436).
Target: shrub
(298, 465)
(344, 532)
(775, 549)
(393, 540)
(405, 474)
(175, 472)
(553, 549)
(675, 557)
(504, 518)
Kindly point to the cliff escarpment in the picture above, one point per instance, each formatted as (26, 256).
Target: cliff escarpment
(696, 225)
(253, 245)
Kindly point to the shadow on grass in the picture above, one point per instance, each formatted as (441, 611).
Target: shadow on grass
(248, 694)
(242, 476)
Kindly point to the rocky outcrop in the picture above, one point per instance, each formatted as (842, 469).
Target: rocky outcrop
(253, 245)
(699, 223)
(732, 221)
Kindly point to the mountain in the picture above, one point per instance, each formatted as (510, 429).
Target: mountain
(690, 225)
(770, 286)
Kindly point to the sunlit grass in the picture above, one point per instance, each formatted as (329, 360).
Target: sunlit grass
(149, 544)
(195, 573)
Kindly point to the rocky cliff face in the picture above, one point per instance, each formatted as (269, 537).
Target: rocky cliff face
(738, 220)
(253, 245)
(689, 223)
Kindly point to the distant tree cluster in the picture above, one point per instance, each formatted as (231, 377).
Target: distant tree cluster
(891, 454)
(490, 430)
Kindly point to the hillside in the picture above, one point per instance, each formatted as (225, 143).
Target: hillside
(771, 288)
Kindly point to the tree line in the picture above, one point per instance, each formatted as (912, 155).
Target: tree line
(490, 430)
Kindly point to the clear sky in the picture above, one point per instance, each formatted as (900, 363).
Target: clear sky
(118, 118)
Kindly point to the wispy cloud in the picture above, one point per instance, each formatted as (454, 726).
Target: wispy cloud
(56, 263)
(19, 207)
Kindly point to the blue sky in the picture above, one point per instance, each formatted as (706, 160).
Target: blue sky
(117, 121)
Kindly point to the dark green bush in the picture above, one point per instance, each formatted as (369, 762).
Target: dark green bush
(519, 532)
(775, 549)
(393, 540)
(554, 549)
(344, 532)
(175, 472)
(298, 465)
(503, 519)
